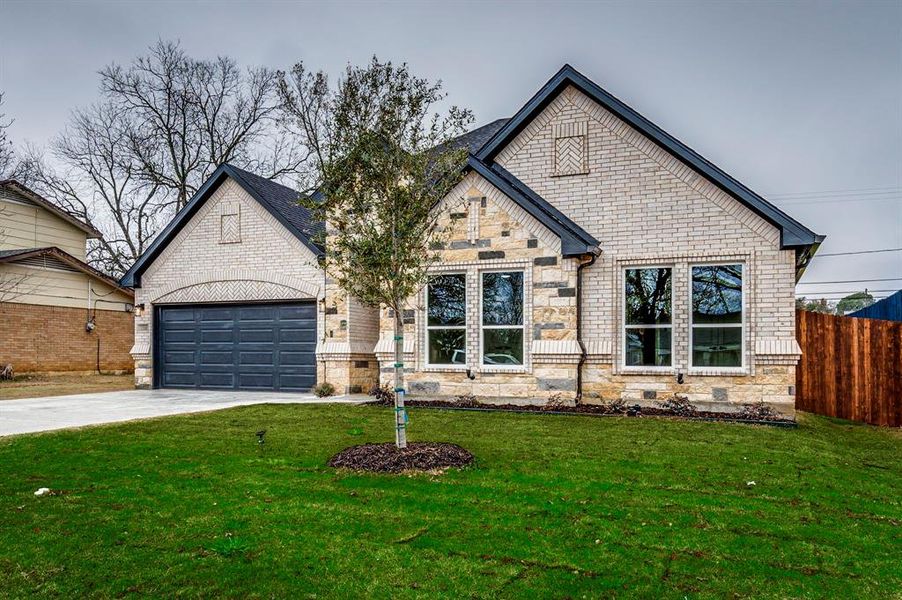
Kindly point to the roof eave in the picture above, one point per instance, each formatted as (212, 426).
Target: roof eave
(793, 233)
(132, 277)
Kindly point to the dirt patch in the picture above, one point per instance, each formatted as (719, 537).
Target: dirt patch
(388, 458)
(37, 385)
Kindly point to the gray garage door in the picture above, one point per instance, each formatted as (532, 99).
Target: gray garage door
(237, 347)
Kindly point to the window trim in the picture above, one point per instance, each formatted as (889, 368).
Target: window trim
(742, 366)
(479, 359)
(465, 327)
(623, 324)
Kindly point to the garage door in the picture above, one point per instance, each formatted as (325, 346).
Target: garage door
(237, 347)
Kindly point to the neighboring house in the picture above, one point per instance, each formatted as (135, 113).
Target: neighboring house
(591, 254)
(888, 309)
(58, 312)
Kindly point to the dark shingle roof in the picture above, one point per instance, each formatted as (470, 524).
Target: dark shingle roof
(16, 251)
(284, 200)
(476, 139)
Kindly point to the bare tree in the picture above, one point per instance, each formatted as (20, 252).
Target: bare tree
(187, 116)
(165, 122)
(7, 154)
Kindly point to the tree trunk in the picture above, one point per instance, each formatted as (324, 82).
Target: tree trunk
(400, 413)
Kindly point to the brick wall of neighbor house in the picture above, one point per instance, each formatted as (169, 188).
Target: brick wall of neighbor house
(487, 231)
(216, 259)
(648, 208)
(53, 338)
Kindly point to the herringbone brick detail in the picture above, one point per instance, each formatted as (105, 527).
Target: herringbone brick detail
(570, 155)
(232, 291)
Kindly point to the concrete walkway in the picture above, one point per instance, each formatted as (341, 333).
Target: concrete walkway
(30, 415)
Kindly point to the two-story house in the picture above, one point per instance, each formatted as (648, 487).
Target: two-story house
(59, 313)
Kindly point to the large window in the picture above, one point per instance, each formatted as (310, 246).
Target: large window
(717, 316)
(502, 318)
(648, 339)
(446, 324)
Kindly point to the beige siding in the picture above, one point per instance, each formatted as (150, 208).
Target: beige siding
(26, 225)
(54, 287)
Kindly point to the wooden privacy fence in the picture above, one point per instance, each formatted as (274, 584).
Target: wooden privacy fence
(851, 368)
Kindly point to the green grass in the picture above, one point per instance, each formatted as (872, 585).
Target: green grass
(556, 506)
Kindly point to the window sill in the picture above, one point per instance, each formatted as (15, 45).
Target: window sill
(444, 369)
(648, 371)
(718, 371)
(522, 369)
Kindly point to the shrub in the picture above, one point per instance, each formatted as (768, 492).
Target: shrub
(757, 412)
(679, 405)
(616, 407)
(324, 389)
(384, 394)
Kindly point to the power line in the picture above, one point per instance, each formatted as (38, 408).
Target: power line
(848, 292)
(849, 281)
(858, 252)
(893, 198)
(875, 190)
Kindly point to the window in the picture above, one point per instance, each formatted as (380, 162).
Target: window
(717, 316)
(446, 324)
(648, 338)
(502, 319)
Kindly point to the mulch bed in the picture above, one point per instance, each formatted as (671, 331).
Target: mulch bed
(599, 410)
(388, 458)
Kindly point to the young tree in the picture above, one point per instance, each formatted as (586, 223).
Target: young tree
(379, 149)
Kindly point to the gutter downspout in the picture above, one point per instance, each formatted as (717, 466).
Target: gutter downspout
(579, 322)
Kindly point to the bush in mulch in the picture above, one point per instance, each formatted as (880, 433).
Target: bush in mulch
(677, 406)
(388, 458)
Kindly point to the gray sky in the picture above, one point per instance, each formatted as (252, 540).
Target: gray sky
(800, 101)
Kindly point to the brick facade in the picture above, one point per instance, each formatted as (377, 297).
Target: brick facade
(646, 208)
(215, 259)
(53, 338)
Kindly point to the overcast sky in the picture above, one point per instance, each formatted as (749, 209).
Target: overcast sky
(800, 101)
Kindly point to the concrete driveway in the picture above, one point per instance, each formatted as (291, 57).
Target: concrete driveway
(30, 415)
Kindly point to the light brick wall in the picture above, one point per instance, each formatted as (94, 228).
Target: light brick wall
(268, 263)
(646, 207)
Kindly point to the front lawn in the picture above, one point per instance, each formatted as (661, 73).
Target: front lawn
(556, 506)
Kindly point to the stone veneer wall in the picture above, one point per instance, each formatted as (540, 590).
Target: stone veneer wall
(255, 259)
(487, 231)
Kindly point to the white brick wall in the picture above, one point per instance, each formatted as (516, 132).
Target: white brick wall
(647, 207)
(268, 262)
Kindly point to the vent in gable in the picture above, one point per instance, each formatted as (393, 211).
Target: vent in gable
(46, 262)
(571, 148)
(230, 223)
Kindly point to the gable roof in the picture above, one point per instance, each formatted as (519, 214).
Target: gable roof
(46, 204)
(575, 241)
(477, 138)
(793, 234)
(280, 201)
(16, 255)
